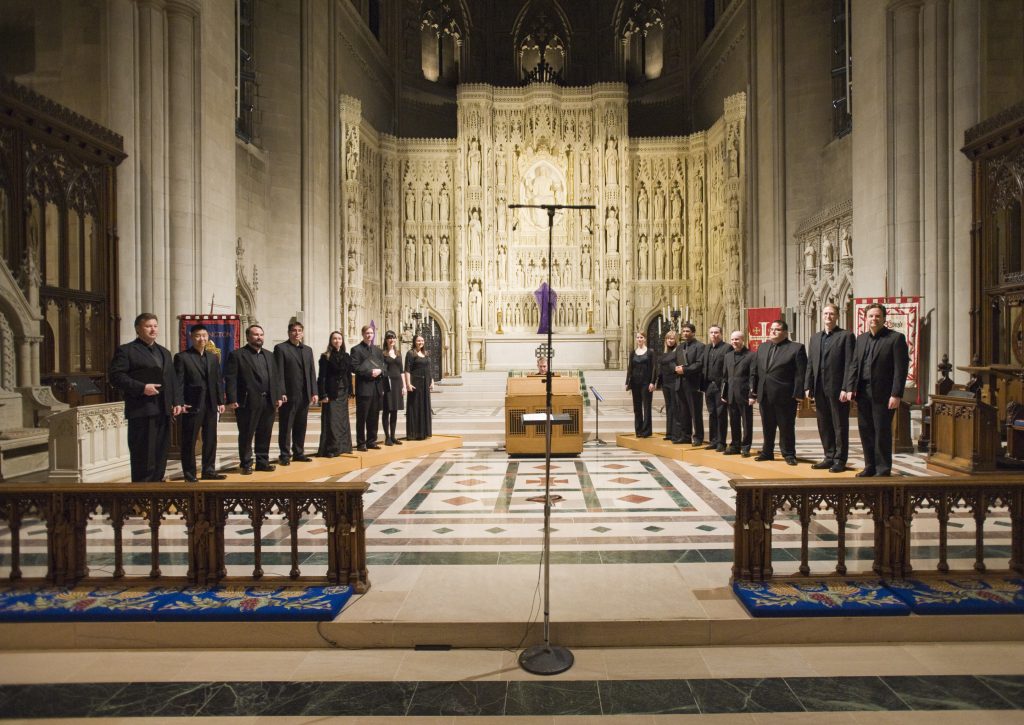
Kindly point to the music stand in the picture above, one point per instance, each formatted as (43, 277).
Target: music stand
(597, 419)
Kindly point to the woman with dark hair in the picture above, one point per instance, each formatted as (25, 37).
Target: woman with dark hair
(641, 374)
(333, 383)
(394, 388)
(419, 382)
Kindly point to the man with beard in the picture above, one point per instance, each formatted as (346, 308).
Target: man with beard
(295, 365)
(144, 371)
(254, 392)
(690, 366)
(777, 383)
(876, 377)
(368, 365)
(736, 395)
(714, 378)
(830, 351)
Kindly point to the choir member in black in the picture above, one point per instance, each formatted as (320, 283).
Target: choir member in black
(829, 352)
(876, 378)
(144, 372)
(714, 380)
(641, 375)
(736, 395)
(690, 366)
(294, 361)
(254, 392)
(394, 388)
(669, 382)
(199, 379)
(368, 365)
(777, 383)
(333, 382)
(419, 381)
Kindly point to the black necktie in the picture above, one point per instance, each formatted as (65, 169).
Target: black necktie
(771, 354)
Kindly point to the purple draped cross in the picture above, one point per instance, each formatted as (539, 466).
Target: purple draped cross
(547, 298)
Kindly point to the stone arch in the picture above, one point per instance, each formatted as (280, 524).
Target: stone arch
(541, 16)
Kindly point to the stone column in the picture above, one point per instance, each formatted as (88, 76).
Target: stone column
(184, 244)
(151, 163)
(905, 149)
(24, 362)
(34, 344)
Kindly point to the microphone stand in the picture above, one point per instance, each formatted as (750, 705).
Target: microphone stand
(546, 658)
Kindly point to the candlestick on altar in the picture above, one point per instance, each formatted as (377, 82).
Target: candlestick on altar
(590, 320)
(499, 331)
(675, 301)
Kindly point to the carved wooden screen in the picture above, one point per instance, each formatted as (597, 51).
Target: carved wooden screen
(57, 179)
(996, 150)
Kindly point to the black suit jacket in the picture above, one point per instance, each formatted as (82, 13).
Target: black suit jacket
(199, 380)
(244, 377)
(784, 379)
(714, 363)
(691, 357)
(296, 369)
(667, 378)
(736, 390)
(830, 371)
(887, 366)
(334, 376)
(134, 363)
(364, 359)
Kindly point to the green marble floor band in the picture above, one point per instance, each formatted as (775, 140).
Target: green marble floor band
(515, 699)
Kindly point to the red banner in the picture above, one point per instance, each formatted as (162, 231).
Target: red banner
(903, 314)
(225, 333)
(759, 319)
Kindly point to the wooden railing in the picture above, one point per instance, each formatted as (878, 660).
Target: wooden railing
(892, 503)
(203, 509)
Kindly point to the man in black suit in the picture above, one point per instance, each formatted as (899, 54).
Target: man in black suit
(714, 378)
(198, 374)
(144, 372)
(876, 378)
(736, 395)
(829, 352)
(690, 397)
(295, 365)
(368, 364)
(254, 392)
(777, 383)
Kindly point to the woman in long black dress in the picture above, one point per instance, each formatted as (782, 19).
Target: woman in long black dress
(419, 382)
(641, 374)
(333, 383)
(394, 389)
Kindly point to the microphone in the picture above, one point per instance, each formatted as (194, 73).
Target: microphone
(515, 224)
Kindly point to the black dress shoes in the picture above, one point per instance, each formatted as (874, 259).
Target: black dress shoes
(866, 473)
(837, 467)
(822, 465)
(214, 476)
(745, 452)
(721, 448)
(267, 468)
(284, 461)
(361, 449)
(246, 470)
(373, 446)
(191, 478)
(711, 447)
(303, 459)
(731, 451)
(791, 460)
(764, 457)
(698, 442)
(387, 442)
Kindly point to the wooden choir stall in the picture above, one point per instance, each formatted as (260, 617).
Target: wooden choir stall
(528, 395)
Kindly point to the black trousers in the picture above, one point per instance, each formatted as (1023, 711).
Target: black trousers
(833, 425)
(149, 438)
(691, 411)
(291, 428)
(255, 420)
(741, 421)
(642, 399)
(673, 428)
(202, 421)
(367, 414)
(781, 415)
(874, 421)
(718, 415)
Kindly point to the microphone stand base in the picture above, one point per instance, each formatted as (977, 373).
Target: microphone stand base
(546, 659)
